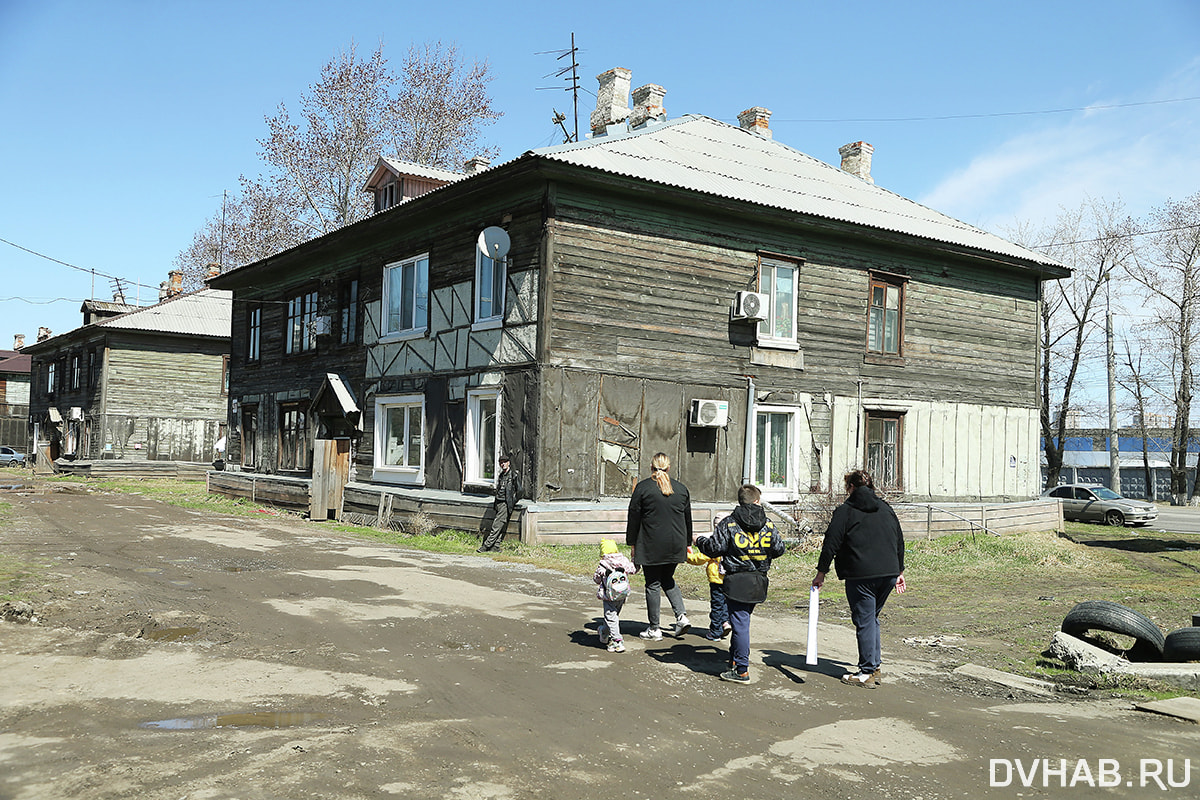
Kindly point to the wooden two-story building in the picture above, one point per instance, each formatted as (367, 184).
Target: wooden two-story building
(139, 383)
(681, 285)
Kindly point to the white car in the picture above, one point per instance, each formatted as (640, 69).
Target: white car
(11, 458)
(1091, 503)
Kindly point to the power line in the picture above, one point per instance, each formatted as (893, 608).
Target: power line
(1000, 113)
(91, 272)
(1123, 235)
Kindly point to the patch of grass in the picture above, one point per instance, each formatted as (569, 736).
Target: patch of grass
(15, 575)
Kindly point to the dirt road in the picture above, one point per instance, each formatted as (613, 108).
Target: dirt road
(178, 655)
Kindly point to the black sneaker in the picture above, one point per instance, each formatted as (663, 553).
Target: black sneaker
(735, 676)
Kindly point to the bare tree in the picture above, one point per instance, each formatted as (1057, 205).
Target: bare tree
(1167, 272)
(440, 107)
(1092, 240)
(317, 163)
(1138, 379)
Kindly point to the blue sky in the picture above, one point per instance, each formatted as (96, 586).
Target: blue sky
(123, 122)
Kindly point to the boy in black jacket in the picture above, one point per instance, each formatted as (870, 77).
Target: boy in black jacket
(746, 542)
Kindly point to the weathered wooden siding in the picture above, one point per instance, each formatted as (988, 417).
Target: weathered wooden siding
(950, 450)
(600, 430)
(669, 275)
(179, 380)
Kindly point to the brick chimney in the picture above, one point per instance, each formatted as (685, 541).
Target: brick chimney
(174, 283)
(18, 341)
(647, 105)
(214, 270)
(612, 100)
(476, 165)
(856, 159)
(44, 334)
(756, 119)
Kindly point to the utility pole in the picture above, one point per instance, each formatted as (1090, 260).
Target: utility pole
(1114, 447)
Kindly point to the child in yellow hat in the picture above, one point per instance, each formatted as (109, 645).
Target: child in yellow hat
(612, 576)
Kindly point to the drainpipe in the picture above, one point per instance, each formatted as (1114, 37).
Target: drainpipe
(747, 451)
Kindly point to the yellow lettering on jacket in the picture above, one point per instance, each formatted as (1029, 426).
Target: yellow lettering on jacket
(755, 545)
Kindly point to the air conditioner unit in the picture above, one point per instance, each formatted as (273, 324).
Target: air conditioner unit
(750, 306)
(709, 414)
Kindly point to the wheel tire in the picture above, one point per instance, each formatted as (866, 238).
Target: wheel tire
(1182, 645)
(1102, 615)
(1114, 518)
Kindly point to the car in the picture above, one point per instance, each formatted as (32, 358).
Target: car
(1083, 502)
(11, 458)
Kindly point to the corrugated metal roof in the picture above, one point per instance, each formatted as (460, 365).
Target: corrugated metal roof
(422, 171)
(706, 155)
(201, 313)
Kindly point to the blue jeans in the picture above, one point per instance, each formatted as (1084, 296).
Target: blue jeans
(866, 598)
(718, 611)
(739, 640)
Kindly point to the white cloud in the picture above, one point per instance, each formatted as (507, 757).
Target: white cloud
(1142, 155)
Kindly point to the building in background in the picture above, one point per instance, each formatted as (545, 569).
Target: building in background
(140, 383)
(14, 396)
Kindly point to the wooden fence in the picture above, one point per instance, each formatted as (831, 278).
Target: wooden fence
(586, 523)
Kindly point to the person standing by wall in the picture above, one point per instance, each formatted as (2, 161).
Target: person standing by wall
(508, 492)
(658, 529)
(864, 542)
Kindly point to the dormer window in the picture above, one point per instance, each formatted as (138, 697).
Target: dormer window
(387, 195)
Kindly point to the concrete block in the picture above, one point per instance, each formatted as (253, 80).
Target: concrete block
(1082, 656)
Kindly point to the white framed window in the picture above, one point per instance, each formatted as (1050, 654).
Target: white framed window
(406, 297)
(776, 451)
(778, 280)
(400, 439)
(483, 436)
(490, 275)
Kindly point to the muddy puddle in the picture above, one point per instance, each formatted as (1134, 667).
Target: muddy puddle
(171, 634)
(250, 719)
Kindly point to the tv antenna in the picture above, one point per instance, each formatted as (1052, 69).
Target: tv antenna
(569, 73)
(118, 289)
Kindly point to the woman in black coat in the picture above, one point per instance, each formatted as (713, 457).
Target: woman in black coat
(659, 532)
(865, 543)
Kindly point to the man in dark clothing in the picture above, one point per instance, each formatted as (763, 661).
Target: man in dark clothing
(508, 492)
(864, 542)
(746, 543)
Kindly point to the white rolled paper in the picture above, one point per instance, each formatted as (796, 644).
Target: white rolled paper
(814, 605)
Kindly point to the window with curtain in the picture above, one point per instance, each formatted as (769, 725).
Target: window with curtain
(400, 438)
(884, 432)
(885, 317)
(778, 280)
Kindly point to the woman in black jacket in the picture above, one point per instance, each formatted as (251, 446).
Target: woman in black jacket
(866, 545)
(659, 531)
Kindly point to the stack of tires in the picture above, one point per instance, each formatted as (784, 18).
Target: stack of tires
(1149, 642)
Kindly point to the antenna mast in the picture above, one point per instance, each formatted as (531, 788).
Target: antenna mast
(568, 73)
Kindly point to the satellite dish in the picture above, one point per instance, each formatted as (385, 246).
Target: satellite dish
(494, 243)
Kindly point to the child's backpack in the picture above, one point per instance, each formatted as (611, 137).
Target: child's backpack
(616, 586)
